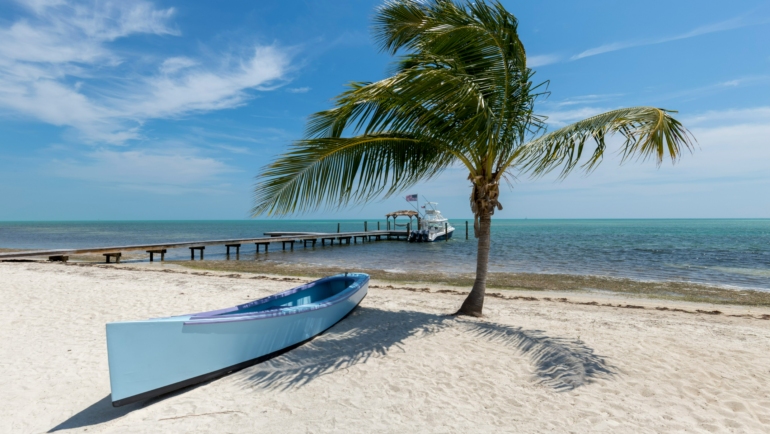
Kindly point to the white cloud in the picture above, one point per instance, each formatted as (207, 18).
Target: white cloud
(730, 24)
(542, 60)
(584, 99)
(560, 118)
(734, 117)
(202, 89)
(298, 89)
(234, 149)
(57, 66)
(173, 65)
(172, 171)
(60, 31)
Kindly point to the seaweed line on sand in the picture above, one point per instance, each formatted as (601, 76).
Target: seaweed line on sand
(426, 290)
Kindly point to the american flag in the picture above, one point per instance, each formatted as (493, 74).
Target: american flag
(411, 198)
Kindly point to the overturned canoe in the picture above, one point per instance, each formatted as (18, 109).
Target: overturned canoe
(156, 356)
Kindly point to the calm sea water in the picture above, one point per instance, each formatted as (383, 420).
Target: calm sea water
(724, 252)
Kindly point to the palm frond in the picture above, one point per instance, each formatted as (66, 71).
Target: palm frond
(649, 132)
(340, 171)
(443, 27)
(429, 102)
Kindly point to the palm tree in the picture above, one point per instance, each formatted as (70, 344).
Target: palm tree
(460, 95)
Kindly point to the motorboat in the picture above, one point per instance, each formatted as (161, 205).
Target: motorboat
(432, 226)
(156, 356)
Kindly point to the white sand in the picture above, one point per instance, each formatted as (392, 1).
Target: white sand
(398, 364)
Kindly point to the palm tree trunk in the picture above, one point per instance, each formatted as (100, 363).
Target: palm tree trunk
(474, 303)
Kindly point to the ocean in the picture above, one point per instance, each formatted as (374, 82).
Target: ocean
(728, 253)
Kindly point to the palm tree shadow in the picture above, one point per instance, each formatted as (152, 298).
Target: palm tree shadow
(559, 363)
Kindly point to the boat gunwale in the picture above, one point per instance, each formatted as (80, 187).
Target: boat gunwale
(215, 316)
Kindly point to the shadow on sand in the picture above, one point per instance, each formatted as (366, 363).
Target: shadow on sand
(562, 364)
(103, 411)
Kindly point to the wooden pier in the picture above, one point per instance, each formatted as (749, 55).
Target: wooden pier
(272, 237)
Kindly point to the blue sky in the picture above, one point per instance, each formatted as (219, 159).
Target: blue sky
(117, 110)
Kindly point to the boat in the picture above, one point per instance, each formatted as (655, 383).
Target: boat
(432, 226)
(156, 356)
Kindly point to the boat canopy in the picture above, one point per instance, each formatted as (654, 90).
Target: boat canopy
(405, 213)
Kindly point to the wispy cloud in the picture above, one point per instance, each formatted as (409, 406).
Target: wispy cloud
(298, 89)
(730, 24)
(733, 117)
(170, 171)
(234, 149)
(713, 88)
(193, 89)
(560, 118)
(585, 99)
(57, 65)
(542, 60)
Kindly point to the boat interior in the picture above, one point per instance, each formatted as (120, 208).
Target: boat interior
(313, 293)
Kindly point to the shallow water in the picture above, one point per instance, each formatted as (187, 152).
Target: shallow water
(723, 252)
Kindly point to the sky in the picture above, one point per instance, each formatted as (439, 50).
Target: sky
(156, 110)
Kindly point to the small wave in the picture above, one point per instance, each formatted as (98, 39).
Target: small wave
(754, 272)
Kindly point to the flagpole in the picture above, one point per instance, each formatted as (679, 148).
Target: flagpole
(412, 205)
(428, 201)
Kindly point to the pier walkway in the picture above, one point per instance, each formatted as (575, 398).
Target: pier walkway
(272, 237)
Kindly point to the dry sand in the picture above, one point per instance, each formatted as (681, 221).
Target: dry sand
(399, 363)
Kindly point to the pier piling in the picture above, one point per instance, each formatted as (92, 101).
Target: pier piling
(162, 253)
(237, 251)
(192, 252)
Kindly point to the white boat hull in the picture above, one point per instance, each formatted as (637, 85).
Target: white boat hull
(148, 358)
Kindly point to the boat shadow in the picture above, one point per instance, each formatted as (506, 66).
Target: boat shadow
(102, 411)
(561, 364)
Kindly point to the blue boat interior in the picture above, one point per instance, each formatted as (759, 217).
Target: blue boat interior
(319, 291)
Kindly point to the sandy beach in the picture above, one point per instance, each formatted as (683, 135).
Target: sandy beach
(538, 361)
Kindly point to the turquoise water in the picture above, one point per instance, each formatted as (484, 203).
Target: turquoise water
(732, 253)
